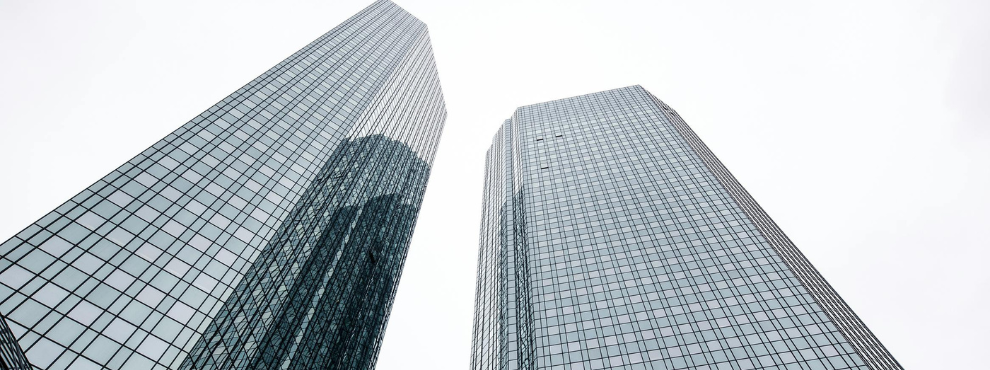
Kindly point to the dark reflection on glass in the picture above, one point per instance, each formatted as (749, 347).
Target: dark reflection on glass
(11, 356)
(132, 272)
(319, 295)
(524, 334)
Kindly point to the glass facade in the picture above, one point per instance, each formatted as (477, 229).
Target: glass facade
(267, 232)
(612, 238)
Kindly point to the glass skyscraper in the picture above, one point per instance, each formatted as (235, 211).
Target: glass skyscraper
(612, 238)
(269, 232)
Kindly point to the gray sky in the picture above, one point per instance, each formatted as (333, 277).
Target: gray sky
(861, 126)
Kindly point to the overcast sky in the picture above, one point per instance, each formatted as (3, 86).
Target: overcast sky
(862, 127)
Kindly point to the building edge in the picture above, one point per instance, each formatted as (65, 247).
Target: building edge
(863, 341)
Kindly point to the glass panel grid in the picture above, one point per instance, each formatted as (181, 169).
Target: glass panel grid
(638, 255)
(145, 268)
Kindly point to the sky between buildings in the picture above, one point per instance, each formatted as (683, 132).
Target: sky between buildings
(862, 127)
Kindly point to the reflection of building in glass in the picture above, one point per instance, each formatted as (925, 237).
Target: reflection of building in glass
(319, 294)
(268, 232)
(612, 238)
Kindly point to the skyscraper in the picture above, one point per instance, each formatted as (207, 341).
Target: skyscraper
(267, 232)
(612, 238)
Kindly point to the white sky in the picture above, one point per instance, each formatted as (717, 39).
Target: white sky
(861, 126)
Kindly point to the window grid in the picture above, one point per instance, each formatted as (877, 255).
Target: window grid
(638, 255)
(132, 272)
